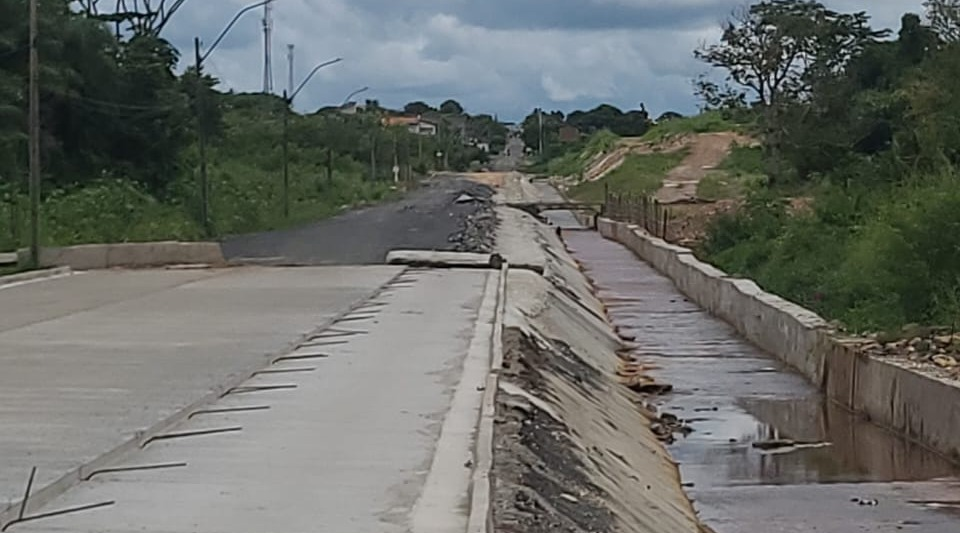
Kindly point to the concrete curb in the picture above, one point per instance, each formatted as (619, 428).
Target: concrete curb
(41, 496)
(130, 255)
(481, 490)
(36, 275)
(919, 407)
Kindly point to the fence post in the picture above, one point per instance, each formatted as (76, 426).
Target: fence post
(666, 217)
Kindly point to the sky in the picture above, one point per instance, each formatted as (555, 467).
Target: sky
(502, 57)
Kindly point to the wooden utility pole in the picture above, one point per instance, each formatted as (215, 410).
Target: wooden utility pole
(34, 139)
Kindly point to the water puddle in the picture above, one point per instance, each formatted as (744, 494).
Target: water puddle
(760, 426)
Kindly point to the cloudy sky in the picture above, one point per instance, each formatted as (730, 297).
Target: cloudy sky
(495, 56)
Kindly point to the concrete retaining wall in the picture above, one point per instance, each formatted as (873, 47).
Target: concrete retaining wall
(921, 407)
(131, 255)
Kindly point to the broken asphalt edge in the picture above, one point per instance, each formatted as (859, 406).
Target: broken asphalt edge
(41, 496)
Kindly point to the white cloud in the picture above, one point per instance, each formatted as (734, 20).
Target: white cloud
(481, 52)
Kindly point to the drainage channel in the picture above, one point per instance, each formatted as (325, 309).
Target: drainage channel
(766, 453)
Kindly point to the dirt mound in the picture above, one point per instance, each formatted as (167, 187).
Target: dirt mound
(707, 151)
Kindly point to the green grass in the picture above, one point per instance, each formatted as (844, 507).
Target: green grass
(574, 159)
(740, 172)
(640, 174)
(710, 122)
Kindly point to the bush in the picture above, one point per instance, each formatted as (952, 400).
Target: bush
(875, 260)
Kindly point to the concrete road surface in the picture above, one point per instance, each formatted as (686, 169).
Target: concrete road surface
(365, 427)
(89, 360)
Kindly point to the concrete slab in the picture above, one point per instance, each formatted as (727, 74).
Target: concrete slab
(349, 449)
(89, 360)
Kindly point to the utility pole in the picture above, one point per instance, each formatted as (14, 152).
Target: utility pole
(289, 69)
(540, 121)
(287, 103)
(373, 156)
(34, 140)
(202, 141)
(286, 169)
(268, 48)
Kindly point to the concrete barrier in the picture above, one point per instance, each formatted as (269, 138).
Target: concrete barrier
(923, 408)
(130, 255)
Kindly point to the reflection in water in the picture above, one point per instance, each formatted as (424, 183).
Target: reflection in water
(734, 395)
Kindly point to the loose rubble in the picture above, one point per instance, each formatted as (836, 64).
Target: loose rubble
(924, 348)
(477, 230)
(541, 483)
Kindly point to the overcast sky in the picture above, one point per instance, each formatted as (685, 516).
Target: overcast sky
(495, 56)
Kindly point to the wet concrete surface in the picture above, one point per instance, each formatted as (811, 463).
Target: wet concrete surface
(734, 395)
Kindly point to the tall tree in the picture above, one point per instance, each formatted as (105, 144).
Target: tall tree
(778, 49)
(451, 107)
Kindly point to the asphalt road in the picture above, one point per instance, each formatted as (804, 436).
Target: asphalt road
(424, 220)
(512, 156)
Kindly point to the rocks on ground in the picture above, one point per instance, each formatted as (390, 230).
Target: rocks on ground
(477, 230)
(935, 348)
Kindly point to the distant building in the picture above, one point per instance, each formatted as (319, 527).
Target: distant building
(352, 108)
(569, 134)
(416, 125)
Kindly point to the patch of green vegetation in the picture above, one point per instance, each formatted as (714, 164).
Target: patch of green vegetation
(709, 122)
(572, 159)
(640, 174)
(740, 172)
(744, 161)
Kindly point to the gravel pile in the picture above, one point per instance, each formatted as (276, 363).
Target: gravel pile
(478, 229)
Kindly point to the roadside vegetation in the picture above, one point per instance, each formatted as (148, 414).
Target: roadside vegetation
(119, 133)
(858, 212)
(708, 122)
(639, 175)
(740, 173)
(575, 157)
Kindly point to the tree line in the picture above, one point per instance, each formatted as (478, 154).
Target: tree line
(861, 129)
(119, 129)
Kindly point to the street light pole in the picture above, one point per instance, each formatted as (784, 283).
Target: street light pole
(202, 142)
(34, 140)
(199, 109)
(286, 169)
(287, 103)
(351, 95)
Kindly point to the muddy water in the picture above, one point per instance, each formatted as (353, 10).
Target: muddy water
(734, 395)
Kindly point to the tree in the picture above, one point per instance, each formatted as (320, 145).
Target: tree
(451, 107)
(944, 16)
(780, 49)
(417, 108)
(530, 128)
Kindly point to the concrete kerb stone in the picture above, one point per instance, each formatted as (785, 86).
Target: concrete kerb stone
(920, 407)
(41, 496)
(130, 255)
(480, 519)
(35, 275)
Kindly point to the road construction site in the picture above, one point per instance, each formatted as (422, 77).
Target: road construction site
(561, 385)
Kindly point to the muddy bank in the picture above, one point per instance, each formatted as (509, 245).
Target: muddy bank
(574, 450)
